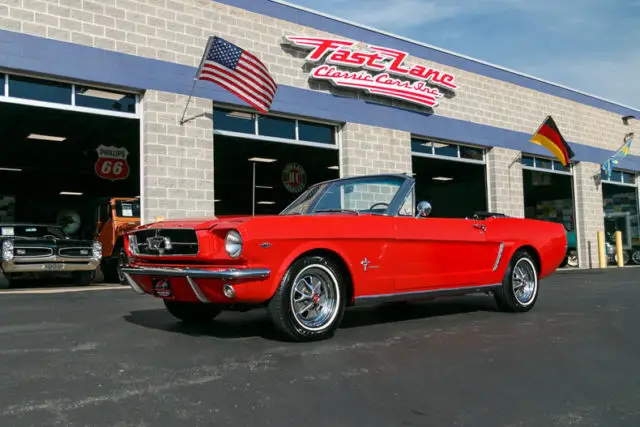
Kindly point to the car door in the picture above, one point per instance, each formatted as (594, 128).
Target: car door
(441, 252)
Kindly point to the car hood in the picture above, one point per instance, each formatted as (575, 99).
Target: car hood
(203, 223)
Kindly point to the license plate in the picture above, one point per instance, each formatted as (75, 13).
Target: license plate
(162, 288)
(53, 267)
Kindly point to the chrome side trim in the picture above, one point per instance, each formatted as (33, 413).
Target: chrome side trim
(228, 274)
(499, 257)
(405, 296)
(197, 291)
(132, 283)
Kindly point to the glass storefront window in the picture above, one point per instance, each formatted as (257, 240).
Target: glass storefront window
(39, 90)
(471, 153)
(628, 178)
(448, 150)
(104, 100)
(315, 132)
(234, 121)
(544, 163)
(527, 161)
(621, 214)
(276, 127)
(557, 166)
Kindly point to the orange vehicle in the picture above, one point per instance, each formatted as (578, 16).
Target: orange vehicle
(115, 217)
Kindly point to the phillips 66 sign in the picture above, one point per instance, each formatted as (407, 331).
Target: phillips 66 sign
(376, 70)
(112, 163)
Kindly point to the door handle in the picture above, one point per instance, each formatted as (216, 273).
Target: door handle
(481, 227)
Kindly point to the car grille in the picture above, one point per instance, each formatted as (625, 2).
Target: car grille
(173, 241)
(32, 252)
(75, 252)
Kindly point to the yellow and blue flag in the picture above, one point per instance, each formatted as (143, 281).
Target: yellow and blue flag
(622, 152)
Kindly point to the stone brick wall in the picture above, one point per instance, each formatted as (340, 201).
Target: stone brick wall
(506, 193)
(178, 165)
(369, 149)
(176, 30)
(590, 212)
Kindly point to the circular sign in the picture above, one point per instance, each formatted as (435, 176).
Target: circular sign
(294, 177)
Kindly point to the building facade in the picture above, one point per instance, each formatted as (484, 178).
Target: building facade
(451, 105)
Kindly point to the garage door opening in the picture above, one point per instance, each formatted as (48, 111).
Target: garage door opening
(451, 177)
(58, 166)
(261, 164)
(548, 195)
(68, 152)
(620, 200)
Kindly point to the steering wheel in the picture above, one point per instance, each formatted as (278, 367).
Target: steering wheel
(386, 205)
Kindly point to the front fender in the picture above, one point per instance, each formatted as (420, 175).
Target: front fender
(305, 247)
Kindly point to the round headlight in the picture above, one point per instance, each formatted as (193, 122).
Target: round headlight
(7, 250)
(97, 251)
(233, 244)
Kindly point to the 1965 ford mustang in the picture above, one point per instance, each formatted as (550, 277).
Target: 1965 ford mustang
(341, 243)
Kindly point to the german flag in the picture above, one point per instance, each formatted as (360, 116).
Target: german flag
(548, 135)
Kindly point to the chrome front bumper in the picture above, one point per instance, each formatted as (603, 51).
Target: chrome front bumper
(190, 274)
(49, 265)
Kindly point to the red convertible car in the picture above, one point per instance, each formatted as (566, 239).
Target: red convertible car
(341, 243)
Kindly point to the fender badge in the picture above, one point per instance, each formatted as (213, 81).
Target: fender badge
(265, 244)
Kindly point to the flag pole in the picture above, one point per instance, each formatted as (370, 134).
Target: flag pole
(195, 78)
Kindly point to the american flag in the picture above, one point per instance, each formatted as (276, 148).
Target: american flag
(240, 72)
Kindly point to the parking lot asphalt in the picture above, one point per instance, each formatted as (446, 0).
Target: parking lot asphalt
(113, 358)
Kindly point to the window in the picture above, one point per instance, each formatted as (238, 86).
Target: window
(550, 165)
(39, 90)
(446, 149)
(315, 132)
(104, 100)
(69, 96)
(280, 128)
(276, 127)
(619, 177)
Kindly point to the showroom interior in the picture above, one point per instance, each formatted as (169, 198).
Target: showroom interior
(452, 177)
(66, 149)
(263, 163)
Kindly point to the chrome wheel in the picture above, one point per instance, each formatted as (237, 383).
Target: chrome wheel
(636, 257)
(315, 297)
(524, 281)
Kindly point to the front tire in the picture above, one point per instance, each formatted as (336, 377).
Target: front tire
(192, 312)
(519, 291)
(83, 278)
(310, 301)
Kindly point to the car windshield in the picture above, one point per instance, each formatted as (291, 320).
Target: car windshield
(360, 195)
(32, 231)
(128, 208)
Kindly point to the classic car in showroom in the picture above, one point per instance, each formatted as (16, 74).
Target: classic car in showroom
(37, 250)
(341, 243)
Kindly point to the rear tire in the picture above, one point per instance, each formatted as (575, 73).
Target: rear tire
(310, 301)
(519, 291)
(192, 312)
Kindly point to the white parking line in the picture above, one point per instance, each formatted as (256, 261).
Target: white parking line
(62, 290)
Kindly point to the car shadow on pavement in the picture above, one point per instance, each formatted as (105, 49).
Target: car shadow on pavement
(255, 323)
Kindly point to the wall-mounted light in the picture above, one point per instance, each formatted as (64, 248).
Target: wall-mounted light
(626, 119)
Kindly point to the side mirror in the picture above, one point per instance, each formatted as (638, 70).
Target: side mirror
(424, 209)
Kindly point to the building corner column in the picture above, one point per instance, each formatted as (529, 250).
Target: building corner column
(589, 206)
(504, 182)
(177, 178)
